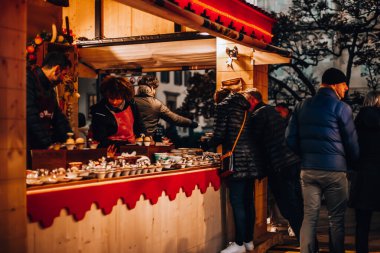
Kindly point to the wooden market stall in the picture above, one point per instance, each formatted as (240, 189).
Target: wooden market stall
(175, 211)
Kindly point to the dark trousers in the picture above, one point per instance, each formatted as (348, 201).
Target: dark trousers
(286, 189)
(363, 224)
(243, 207)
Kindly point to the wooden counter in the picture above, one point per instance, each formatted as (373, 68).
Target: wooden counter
(177, 211)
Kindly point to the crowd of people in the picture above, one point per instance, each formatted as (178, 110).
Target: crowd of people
(305, 156)
(311, 157)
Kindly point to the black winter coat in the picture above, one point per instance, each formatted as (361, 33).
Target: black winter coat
(45, 121)
(268, 133)
(104, 124)
(366, 182)
(229, 118)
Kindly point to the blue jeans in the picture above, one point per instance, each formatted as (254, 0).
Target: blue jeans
(334, 186)
(243, 207)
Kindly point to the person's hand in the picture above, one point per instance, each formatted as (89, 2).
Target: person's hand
(111, 151)
(193, 124)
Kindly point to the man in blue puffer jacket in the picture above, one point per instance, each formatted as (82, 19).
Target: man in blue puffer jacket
(322, 132)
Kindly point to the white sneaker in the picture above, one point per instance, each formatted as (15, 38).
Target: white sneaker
(249, 246)
(291, 232)
(234, 248)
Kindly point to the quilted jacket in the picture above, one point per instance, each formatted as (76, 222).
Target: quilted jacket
(248, 160)
(321, 130)
(268, 132)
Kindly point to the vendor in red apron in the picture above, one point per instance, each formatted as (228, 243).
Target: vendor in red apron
(116, 119)
(46, 123)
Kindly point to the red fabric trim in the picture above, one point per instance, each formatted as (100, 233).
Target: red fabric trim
(44, 207)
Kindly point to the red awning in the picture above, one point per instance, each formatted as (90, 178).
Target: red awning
(233, 20)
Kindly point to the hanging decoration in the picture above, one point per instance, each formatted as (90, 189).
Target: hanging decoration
(69, 97)
(54, 36)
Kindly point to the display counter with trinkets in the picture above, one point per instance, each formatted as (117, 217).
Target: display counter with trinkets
(81, 197)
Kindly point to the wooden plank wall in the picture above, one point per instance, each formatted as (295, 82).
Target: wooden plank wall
(241, 68)
(13, 126)
(131, 22)
(82, 18)
(187, 224)
(119, 20)
(41, 15)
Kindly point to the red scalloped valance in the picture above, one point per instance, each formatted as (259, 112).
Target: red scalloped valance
(44, 206)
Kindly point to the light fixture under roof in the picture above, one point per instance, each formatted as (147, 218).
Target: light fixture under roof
(204, 34)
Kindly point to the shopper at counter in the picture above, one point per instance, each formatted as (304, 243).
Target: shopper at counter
(116, 119)
(46, 123)
(152, 109)
(282, 165)
(246, 163)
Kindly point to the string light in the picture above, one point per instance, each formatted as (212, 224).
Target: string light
(222, 13)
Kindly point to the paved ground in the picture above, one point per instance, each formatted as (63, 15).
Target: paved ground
(374, 241)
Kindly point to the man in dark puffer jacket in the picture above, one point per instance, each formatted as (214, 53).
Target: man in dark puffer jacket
(281, 165)
(229, 118)
(322, 132)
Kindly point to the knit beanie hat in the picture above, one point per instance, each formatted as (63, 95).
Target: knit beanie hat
(333, 76)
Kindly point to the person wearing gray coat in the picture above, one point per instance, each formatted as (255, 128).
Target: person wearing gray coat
(152, 110)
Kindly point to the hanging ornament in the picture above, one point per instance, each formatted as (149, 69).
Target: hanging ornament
(30, 49)
(38, 40)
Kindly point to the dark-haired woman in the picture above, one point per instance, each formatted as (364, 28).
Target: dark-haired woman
(116, 119)
(364, 188)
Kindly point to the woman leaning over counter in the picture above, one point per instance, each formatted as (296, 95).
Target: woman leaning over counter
(116, 119)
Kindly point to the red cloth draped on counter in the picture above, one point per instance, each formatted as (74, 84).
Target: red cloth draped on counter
(45, 205)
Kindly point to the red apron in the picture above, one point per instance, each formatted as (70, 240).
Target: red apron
(124, 121)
